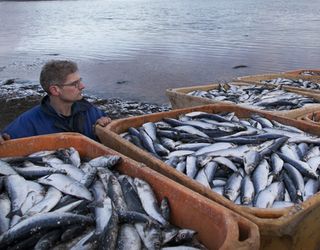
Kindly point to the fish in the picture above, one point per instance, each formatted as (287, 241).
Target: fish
(86, 242)
(50, 200)
(260, 176)
(130, 195)
(303, 167)
(149, 201)
(110, 233)
(103, 209)
(66, 185)
(128, 238)
(276, 164)
(251, 160)
(247, 190)
(17, 188)
(151, 129)
(266, 197)
(6, 169)
(191, 166)
(296, 178)
(37, 223)
(116, 194)
(5, 208)
(35, 172)
(48, 240)
(105, 161)
(233, 185)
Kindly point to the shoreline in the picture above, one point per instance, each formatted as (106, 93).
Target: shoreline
(17, 96)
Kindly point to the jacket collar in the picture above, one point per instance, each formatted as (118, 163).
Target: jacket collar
(78, 106)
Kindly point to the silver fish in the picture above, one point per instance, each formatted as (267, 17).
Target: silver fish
(191, 166)
(148, 200)
(226, 162)
(5, 206)
(191, 130)
(276, 164)
(233, 185)
(303, 167)
(128, 238)
(17, 188)
(247, 190)
(311, 187)
(103, 210)
(201, 177)
(266, 197)
(214, 147)
(40, 222)
(150, 235)
(6, 169)
(67, 185)
(260, 176)
(251, 160)
(37, 171)
(51, 198)
(105, 161)
(282, 204)
(151, 130)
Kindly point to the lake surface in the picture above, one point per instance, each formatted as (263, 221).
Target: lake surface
(136, 49)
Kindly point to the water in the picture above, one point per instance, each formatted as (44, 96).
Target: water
(136, 49)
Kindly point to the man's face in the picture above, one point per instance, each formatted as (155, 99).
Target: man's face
(71, 89)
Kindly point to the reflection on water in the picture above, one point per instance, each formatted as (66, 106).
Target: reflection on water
(135, 49)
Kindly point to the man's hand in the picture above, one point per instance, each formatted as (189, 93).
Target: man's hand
(4, 137)
(103, 121)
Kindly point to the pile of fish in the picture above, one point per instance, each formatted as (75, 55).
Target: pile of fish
(262, 97)
(55, 200)
(309, 73)
(300, 83)
(254, 161)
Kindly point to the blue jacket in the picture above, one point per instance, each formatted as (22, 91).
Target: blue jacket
(43, 119)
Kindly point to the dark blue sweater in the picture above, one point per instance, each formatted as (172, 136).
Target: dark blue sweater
(43, 119)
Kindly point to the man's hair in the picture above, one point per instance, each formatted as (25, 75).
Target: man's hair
(56, 72)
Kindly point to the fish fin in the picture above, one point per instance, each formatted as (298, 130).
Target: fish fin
(14, 212)
(95, 203)
(92, 238)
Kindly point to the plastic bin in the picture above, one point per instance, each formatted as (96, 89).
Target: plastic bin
(217, 227)
(297, 227)
(312, 73)
(294, 75)
(179, 99)
(311, 118)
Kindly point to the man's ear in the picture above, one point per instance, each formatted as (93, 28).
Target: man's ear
(54, 90)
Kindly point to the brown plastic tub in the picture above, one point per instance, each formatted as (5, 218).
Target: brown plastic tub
(179, 99)
(311, 118)
(297, 227)
(312, 73)
(294, 75)
(217, 227)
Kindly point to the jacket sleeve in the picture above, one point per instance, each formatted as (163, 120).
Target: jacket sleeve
(98, 113)
(19, 128)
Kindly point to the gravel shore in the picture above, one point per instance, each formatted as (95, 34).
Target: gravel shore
(17, 96)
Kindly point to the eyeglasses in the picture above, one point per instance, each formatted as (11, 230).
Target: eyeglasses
(75, 84)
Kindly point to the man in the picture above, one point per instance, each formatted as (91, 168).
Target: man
(63, 109)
